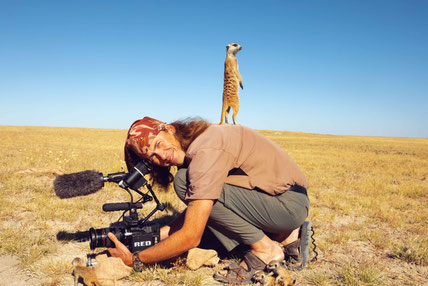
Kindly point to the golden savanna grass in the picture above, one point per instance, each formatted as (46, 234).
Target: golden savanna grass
(369, 205)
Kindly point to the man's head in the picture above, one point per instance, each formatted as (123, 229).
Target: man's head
(154, 140)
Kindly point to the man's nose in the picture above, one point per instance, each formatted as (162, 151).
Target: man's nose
(161, 154)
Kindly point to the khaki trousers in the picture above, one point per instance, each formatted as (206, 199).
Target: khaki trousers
(243, 216)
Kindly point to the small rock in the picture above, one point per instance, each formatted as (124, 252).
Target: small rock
(111, 269)
(197, 257)
(212, 261)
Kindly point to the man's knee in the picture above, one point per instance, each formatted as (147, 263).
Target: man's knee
(180, 183)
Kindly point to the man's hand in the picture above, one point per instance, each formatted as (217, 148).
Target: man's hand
(120, 250)
(175, 241)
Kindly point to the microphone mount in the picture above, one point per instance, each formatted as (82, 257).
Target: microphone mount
(133, 180)
(114, 177)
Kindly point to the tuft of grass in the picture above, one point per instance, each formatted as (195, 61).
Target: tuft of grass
(179, 274)
(55, 268)
(53, 282)
(339, 238)
(415, 251)
(27, 244)
(194, 279)
(376, 237)
(319, 278)
(355, 274)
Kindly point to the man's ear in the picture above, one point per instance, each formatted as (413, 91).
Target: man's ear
(170, 128)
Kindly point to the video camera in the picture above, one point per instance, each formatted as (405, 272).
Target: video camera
(137, 234)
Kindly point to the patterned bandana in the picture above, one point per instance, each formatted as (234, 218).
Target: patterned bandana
(140, 135)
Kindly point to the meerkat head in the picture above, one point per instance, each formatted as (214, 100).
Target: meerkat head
(233, 48)
(77, 262)
(259, 276)
(274, 266)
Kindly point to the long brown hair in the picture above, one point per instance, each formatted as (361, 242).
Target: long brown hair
(189, 129)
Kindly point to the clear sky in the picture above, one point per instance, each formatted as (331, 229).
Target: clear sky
(329, 67)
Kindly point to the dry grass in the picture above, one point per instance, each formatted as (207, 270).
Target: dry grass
(369, 201)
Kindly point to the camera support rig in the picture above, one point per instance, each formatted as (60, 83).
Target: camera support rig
(134, 182)
(132, 231)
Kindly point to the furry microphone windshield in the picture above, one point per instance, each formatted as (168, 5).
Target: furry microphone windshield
(78, 184)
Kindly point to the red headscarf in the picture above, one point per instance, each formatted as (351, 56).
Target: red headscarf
(140, 135)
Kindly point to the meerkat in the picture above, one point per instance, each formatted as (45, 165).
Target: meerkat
(263, 278)
(87, 274)
(232, 78)
(283, 276)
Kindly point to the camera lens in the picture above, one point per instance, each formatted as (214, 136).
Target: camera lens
(98, 237)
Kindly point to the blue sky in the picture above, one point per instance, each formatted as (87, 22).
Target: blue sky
(330, 67)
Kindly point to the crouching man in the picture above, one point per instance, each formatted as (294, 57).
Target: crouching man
(236, 182)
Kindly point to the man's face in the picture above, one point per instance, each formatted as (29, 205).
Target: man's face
(164, 149)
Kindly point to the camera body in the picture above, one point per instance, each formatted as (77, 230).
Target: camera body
(136, 238)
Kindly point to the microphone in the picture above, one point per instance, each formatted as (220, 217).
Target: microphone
(88, 182)
(112, 207)
(78, 184)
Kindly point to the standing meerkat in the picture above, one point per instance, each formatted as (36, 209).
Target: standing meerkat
(232, 78)
(87, 274)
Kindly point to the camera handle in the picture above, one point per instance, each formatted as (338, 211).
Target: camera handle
(133, 215)
(159, 206)
(146, 198)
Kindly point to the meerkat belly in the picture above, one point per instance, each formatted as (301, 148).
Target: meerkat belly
(230, 87)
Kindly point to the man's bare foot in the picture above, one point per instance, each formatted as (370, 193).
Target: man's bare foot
(266, 250)
(273, 252)
(287, 237)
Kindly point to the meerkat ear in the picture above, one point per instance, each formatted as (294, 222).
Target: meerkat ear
(227, 47)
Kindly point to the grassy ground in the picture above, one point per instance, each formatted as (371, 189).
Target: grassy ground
(369, 198)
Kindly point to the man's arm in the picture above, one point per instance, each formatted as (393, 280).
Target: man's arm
(188, 237)
(175, 225)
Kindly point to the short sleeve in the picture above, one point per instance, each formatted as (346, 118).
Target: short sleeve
(208, 172)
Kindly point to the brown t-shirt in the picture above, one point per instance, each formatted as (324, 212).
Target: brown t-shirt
(221, 148)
